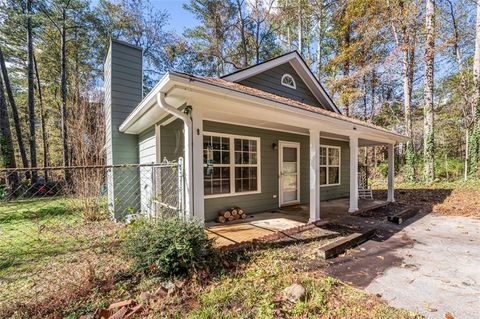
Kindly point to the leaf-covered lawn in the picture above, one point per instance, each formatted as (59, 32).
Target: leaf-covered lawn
(255, 292)
(446, 198)
(251, 287)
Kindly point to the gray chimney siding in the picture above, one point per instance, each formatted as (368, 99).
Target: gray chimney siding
(123, 91)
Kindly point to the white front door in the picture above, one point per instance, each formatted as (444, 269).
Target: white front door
(289, 173)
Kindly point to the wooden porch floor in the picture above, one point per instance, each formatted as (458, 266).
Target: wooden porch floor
(270, 222)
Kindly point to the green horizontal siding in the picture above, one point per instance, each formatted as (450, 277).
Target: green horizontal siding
(269, 171)
(270, 81)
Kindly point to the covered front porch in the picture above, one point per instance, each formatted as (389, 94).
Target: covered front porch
(269, 223)
(219, 118)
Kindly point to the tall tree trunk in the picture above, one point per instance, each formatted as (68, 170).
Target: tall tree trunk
(319, 40)
(63, 70)
(13, 105)
(474, 147)
(7, 156)
(406, 40)
(408, 71)
(42, 119)
(31, 93)
(300, 28)
(242, 34)
(469, 108)
(428, 111)
(346, 66)
(373, 84)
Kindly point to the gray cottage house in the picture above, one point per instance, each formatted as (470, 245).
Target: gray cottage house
(260, 138)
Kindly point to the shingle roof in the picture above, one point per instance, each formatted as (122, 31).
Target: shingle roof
(280, 99)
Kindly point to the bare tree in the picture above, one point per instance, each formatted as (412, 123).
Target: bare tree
(242, 20)
(406, 38)
(474, 139)
(428, 110)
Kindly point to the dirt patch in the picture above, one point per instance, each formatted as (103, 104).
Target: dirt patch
(383, 213)
(361, 265)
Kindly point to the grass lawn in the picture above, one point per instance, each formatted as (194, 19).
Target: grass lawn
(47, 248)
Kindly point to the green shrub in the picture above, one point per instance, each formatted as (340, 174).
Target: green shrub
(168, 247)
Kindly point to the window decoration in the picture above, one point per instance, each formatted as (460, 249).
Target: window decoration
(288, 81)
(231, 164)
(329, 165)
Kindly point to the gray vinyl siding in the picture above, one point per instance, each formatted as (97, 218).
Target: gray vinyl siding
(147, 154)
(123, 92)
(171, 141)
(147, 146)
(270, 81)
(269, 171)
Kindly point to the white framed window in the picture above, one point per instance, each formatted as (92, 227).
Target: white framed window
(330, 159)
(231, 164)
(288, 81)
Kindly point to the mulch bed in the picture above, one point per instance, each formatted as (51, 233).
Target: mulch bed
(384, 212)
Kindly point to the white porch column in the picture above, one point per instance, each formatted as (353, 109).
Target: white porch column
(391, 172)
(314, 175)
(197, 149)
(353, 174)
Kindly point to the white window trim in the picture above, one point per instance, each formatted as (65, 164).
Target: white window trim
(294, 86)
(339, 165)
(232, 165)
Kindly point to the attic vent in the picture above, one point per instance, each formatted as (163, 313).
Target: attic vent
(288, 81)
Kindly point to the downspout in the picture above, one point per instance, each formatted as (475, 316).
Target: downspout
(187, 121)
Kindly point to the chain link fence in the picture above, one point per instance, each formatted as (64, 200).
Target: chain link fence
(59, 229)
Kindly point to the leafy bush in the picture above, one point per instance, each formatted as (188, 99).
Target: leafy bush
(169, 247)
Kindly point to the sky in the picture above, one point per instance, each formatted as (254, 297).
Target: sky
(180, 18)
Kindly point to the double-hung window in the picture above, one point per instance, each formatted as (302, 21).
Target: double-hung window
(231, 164)
(329, 165)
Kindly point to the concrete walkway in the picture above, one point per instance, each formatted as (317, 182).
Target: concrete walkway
(435, 267)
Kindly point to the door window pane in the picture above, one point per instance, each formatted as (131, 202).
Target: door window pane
(289, 154)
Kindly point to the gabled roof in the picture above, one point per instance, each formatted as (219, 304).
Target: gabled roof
(300, 66)
(173, 78)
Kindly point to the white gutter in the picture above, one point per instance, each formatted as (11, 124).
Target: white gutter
(187, 136)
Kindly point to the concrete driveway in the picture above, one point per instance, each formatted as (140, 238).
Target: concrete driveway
(439, 270)
(430, 266)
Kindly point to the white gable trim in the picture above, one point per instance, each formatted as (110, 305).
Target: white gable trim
(298, 65)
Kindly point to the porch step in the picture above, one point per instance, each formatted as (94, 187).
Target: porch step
(341, 245)
(402, 216)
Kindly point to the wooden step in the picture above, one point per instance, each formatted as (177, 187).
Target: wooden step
(402, 216)
(341, 245)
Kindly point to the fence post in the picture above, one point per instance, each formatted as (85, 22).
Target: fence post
(180, 188)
